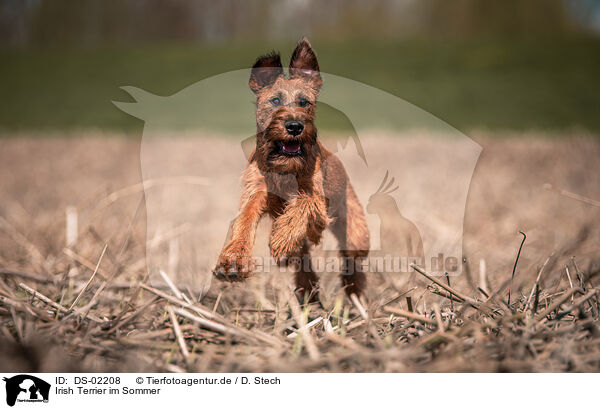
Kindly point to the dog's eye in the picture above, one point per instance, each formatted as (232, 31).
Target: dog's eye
(276, 101)
(303, 102)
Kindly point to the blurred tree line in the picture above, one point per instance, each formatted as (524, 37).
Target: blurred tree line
(26, 23)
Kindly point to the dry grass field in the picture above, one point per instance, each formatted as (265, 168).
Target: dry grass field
(92, 306)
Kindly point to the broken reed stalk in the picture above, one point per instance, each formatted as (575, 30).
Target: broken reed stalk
(446, 287)
(554, 305)
(362, 311)
(178, 334)
(255, 335)
(410, 315)
(199, 310)
(450, 295)
(515, 266)
(158, 333)
(572, 195)
(327, 325)
(483, 277)
(217, 301)
(365, 318)
(85, 309)
(134, 315)
(174, 288)
(444, 294)
(537, 280)
(577, 303)
(71, 227)
(314, 322)
(355, 324)
(569, 278)
(9, 301)
(211, 325)
(297, 313)
(483, 292)
(399, 296)
(85, 287)
(56, 305)
(43, 298)
(24, 307)
(83, 261)
(438, 317)
(536, 300)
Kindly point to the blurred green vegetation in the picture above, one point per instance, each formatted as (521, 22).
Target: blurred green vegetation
(547, 84)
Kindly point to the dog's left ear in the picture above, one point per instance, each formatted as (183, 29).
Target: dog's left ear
(304, 64)
(265, 71)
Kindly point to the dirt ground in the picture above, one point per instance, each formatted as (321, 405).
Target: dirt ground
(516, 186)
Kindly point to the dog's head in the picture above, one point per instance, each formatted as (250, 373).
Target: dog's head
(285, 109)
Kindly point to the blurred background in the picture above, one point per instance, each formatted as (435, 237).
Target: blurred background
(510, 65)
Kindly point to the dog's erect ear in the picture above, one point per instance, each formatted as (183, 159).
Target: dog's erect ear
(265, 71)
(304, 64)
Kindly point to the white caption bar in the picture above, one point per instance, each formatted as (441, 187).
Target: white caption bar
(45, 391)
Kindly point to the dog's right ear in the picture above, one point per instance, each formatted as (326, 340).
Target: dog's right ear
(265, 71)
(304, 64)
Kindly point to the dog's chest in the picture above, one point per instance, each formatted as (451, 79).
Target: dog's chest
(282, 186)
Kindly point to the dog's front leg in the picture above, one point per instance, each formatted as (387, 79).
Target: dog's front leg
(235, 262)
(305, 216)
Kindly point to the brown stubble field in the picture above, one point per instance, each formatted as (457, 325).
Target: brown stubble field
(126, 320)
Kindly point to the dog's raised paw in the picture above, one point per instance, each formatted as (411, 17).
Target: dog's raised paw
(285, 244)
(233, 265)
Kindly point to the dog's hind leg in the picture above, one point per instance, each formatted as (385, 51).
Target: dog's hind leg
(351, 231)
(307, 281)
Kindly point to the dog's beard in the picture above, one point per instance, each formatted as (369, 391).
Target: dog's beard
(283, 153)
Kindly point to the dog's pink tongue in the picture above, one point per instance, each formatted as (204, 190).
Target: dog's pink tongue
(291, 147)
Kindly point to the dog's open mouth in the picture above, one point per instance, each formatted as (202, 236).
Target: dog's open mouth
(290, 148)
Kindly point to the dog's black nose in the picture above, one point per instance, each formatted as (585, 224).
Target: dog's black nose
(294, 127)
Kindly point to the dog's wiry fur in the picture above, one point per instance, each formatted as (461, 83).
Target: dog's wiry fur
(294, 179)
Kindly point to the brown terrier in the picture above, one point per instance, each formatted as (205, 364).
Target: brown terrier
(294, 179)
